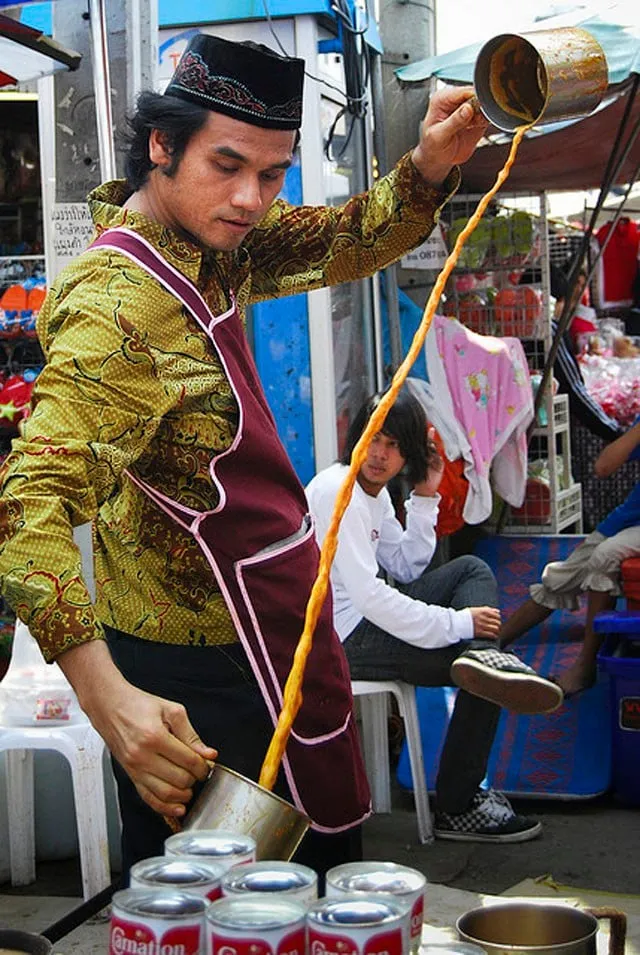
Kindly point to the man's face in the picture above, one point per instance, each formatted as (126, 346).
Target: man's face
(225, 182)
(382, 463)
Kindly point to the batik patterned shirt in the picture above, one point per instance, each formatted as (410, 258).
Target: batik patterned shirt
(132, 382)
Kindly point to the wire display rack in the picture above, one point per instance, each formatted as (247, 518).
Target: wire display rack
(501, 287)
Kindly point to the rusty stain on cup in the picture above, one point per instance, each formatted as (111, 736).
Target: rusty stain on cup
(545, 76)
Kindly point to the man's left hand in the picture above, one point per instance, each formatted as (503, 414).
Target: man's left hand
(449, 133)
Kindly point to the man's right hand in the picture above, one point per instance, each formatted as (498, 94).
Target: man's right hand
(486, 622)
(150, 737)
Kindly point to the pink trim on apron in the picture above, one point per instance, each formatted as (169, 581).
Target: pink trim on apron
(260, 545)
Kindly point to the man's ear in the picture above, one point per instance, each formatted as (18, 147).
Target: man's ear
(159, 154)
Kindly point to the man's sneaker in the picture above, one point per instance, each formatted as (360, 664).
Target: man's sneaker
(489, 818)
(502, 678)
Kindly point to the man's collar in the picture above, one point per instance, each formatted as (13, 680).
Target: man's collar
(106, 206)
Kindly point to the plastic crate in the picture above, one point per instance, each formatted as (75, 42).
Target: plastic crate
(619, 656)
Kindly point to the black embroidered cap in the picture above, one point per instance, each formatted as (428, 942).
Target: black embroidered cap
(246, 81)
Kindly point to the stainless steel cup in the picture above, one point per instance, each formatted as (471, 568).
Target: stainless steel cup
(539, 928)
(540, 77)
(233, 802)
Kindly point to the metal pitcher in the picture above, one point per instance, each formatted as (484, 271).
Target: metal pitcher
(540, 77)
(231, 801)
(540, 928)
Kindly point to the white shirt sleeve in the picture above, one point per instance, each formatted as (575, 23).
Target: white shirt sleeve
(356, 568)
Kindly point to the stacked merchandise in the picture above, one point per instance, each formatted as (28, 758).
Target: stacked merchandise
(501, 288)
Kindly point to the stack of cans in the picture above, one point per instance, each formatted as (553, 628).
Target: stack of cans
(207, 894)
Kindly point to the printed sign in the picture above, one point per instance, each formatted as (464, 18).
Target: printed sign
(72, 231)
(630, 713)
(432, 254)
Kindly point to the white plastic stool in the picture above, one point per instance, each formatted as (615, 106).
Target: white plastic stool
(82, 747)
(375, 744)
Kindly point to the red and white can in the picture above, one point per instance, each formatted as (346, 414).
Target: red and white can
(201, 877)
(406, 884)
(161, 922)
(255, 924)
(287, 879)
(227, 848)
(358, 925)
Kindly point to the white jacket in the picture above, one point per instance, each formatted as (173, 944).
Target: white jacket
(370, 537)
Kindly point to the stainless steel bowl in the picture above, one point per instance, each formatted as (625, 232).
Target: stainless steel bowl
(233, 802)
(24, 942)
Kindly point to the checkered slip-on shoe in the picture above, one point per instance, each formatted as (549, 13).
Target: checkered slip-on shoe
(502, 678)
(489, 818)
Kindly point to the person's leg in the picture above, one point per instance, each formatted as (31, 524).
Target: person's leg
(528, 615)
(559, 588)
(374, 654)
(483, 669)
(602, 582)
(582, 674)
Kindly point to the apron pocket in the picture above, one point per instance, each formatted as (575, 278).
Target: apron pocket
(276, 587)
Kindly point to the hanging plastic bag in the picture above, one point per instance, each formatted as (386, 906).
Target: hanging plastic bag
(35, 693)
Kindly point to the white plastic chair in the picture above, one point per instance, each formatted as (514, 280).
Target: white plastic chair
(372, 695)
(83, 749)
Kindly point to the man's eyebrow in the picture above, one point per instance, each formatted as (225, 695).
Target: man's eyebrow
(232, 154)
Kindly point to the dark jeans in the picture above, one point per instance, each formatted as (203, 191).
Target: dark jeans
(374, 654)
(224, 703)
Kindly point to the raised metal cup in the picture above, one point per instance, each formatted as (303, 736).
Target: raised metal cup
(233, 802)
(540, 77)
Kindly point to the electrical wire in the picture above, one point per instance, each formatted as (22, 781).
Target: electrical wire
(316, 79)
(355, 56)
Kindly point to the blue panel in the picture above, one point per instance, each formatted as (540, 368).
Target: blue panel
(282, 353)
(177, 12)
(38, 16)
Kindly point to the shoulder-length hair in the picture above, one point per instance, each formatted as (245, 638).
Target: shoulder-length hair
(177, 119)
(407, 423)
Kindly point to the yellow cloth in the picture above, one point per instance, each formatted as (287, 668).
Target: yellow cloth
(131, 381)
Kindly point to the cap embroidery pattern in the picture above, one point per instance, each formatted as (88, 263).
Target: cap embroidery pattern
(193, 76)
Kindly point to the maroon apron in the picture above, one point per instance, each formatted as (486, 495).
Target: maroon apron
(260, 543)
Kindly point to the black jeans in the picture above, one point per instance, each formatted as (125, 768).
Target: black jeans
(225, 706)
(374, 654)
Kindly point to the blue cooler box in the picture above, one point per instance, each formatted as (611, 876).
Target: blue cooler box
(619, 656)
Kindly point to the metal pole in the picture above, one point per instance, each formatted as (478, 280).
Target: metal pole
(102, 89)
(389, 277)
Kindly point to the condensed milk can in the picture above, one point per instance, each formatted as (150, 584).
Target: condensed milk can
(358, 925)
(286, 879)
(184, 874)
(219, 845)
(405, 884)
(255, 924)
(157, 922)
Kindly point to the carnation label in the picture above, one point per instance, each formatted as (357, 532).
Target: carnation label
(292, 944)
(135, 938)
(156, 922)
(385, 943)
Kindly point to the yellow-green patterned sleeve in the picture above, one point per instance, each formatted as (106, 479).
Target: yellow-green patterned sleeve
(97, 404)
(300, 248)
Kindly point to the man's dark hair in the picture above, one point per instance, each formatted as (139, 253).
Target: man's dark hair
(407, 423)
(177, 119)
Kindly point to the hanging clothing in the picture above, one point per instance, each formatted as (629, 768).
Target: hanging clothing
(484, 391)
(618, 265)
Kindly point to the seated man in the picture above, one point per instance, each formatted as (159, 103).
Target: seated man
(437, 627)
(592, 568)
